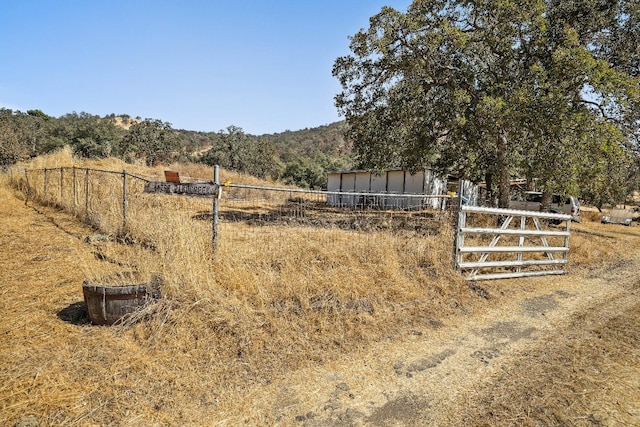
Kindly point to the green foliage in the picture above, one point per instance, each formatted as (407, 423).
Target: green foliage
(312, 173)
(299, 158)
(494, 90)
(193, 142)
(151, 139)
(240, 152)
(88, 135)
(325, 140)
(13, 146)
(304, 173)
(23, 135)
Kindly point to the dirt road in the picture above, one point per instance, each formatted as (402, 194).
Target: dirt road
(537, 352)
(549, 354)
(556, 351)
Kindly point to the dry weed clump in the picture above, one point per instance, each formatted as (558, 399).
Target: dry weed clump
(61, 158)
(311, 284)
(590, 216)
(276, 295)
(190, 172)
(591, 244)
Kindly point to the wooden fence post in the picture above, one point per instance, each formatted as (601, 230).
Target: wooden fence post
(74, 190)
(216, 201)
(26, 177)
(86, 195)
(124, 201)
(45, 185)
(61, 185)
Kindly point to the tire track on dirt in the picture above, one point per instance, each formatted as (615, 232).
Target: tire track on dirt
(430, 379)
(585, 373)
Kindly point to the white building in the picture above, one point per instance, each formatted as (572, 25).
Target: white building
(393, 189)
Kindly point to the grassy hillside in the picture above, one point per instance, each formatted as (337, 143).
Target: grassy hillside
(300, 157)
(294, 157)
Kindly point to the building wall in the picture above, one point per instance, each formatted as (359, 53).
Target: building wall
(390, 182)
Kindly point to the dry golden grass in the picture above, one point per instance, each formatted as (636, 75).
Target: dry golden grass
(586, 378)
(590, 216)
(273, 299)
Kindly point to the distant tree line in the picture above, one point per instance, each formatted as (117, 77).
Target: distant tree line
(300, 158)
(26, 135)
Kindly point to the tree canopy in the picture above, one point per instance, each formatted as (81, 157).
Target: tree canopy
(299, 158)
(151, 139)
(295, 157)
(238, 151)
(490, 90)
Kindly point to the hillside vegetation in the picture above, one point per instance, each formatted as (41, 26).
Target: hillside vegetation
(301, 158)
(295, 157)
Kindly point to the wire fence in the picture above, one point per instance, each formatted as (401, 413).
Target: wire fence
(276, 220)
(268, 206)
(99, 197)
(271, 222)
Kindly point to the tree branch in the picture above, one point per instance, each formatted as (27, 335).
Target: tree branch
(600, 108)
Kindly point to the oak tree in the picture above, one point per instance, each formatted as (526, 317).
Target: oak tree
(488, 90)
(152, 139)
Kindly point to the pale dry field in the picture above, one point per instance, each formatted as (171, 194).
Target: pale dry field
(372, 339)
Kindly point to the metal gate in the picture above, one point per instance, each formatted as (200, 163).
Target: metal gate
(521, 243)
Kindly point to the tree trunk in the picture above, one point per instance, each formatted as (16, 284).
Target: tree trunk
(545, 205)
(504, 186)
(490, 199)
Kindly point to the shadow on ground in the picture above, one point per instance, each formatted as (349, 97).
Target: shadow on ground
(75, 314)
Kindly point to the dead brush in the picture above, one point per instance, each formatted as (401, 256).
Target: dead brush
(341, 285)
(276, 296)
(590, 216)
(258, 308)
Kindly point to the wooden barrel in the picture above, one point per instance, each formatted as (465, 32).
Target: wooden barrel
(108, 304)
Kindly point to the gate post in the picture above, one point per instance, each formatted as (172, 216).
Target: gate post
(461, 219)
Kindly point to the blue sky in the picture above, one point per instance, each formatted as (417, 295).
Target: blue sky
(264, 66)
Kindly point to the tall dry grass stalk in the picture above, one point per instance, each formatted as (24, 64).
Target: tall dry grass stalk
(269, 286)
